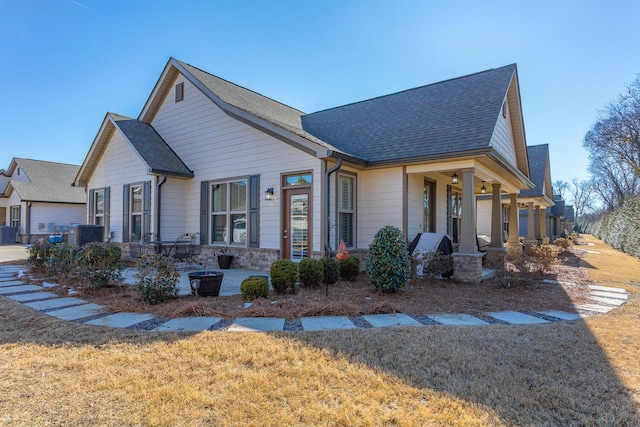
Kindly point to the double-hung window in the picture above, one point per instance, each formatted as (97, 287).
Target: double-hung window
(99, 208)
(14, 216)
(346, 209)
(136, 209)
(229, 212)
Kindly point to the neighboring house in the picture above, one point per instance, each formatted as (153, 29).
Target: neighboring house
(39, 199)
(269, 181)
(533, 220)
(556, 217)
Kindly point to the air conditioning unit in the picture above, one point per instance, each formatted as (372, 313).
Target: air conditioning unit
(8, 235)
(81, 234)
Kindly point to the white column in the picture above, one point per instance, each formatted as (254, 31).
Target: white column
(531, 224)
(514, 218)
(468, 228)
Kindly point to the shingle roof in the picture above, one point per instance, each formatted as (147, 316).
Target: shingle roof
(48, 182)
(538, 158)
(152, 148)
(442, 118)
(274, 112)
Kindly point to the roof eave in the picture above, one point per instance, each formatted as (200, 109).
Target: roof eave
(187, 175)
(497, 157)
(429, 158)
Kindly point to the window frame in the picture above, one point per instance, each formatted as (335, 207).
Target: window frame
(15, 220)
(341, 210)
(431, 209)
(228, 213)
(95, 221)
(133, 213)
(179, 92)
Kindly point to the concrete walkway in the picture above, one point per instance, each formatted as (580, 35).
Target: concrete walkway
(604, 299)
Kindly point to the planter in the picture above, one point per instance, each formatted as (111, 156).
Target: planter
(210, 282)
(224, 261)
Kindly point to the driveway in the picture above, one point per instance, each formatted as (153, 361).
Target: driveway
(13, 253)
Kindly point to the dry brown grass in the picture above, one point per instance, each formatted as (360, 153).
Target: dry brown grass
(571, 373)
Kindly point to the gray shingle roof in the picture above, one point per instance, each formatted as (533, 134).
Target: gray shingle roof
(274, 112)
(442, 118)
(48, 182)
(538, 158)
(152, 148)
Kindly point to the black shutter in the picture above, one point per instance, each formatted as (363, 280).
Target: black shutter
(125, 213)
(107, 211)
(146, 208)
(254, 211)
(92, 216)
(204, 212)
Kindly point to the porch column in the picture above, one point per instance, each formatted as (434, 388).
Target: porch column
(531, 225)
(467, 262)
(543, 225)
(538, 226)
(496, 251)
(496, 217)
(514, 227)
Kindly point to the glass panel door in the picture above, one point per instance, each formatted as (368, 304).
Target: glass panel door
(299, 226)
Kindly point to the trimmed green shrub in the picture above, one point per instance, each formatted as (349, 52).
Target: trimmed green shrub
(388, 263)
(330, 270)
(284, 274)
(61, 258)
(156, 278)
(349, 268)
(100, 263)
(311, 272)
(254, 287)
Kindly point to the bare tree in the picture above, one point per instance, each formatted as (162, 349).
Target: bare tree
(560, 187)
(582, 193)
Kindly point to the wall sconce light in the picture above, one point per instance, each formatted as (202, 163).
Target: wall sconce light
(454, 178)
(268, 195)
(483, 189)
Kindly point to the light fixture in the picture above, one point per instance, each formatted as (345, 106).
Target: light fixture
(483, 189)
(454, 178)
(268, 195)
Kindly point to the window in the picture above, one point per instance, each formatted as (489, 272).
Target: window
(14, 217)
(296, 180)
(428, 215)
(136, 204)
(229, 213)
(454, 213)
(505, 219)
(504, 109)
(179, 92)
(98, 217)
(346, 209)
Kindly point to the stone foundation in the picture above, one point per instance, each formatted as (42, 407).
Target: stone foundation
(467, 267)
(249, 258)
(495, 257)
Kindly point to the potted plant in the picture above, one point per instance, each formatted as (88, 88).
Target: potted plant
(224, 259)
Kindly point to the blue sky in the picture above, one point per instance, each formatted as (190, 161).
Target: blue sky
(65, 63)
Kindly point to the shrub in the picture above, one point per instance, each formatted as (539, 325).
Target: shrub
(388, 264)
(284, 274)
(254, 287)
(100, 263)
(349, 268)
(156, 278)
(38, 254)
(311, 272)
(61, 258)
(564, 244)
(330, 270)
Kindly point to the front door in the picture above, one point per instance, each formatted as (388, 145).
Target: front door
(297, 222)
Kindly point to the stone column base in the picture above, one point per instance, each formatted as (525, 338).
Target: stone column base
(495, 257)
(514, 247)
(467, 267)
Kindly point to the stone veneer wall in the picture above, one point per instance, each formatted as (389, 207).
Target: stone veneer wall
(467, 267)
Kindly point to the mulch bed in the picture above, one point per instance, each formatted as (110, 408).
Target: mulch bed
(421, 296)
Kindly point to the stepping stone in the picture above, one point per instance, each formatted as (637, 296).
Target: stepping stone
(385, 320)
(551, 281)
(595, 308)
(11, 283)
(322, 323)
(607, 289)
(55, 303)
(34, 296)
(592, 252)
(188, 324)
(613, 295)
(516, 318)
(120, 320)
(456, 319)
(262, 324)
(17, 289)
(564, 315)
(610, 301)
(75, 313)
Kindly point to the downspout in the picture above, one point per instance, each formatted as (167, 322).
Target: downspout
(159, 198)
(328, 249)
